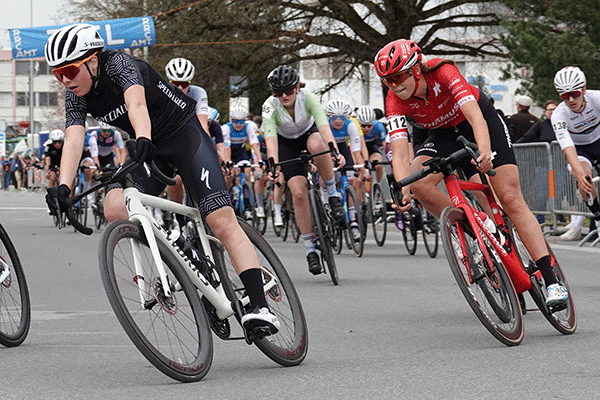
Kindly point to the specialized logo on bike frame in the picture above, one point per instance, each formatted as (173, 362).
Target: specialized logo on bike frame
(204, 177)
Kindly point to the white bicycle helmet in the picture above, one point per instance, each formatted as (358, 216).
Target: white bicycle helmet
(56, 135)
(180, 69)
(71, 43)
(213, 114)
(569, 79)
(365, 115)
(105, 126)
(238, 113)
(337, 107)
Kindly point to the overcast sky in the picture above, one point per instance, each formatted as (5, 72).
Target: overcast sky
(16, 14)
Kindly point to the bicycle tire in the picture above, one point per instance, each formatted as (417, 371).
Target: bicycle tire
(357, 246)
(15, 303)
(289, 346)
(323, 234)
(337, 238)
(430, 229)
(378, 214)
(286, 213)
(260, 223)
(564, 321)
(248, 193)
(186, 359)
(409, 233)
(477, 294)
(85, 205)
(295, 230)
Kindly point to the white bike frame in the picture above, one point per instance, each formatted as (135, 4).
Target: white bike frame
(136, 203)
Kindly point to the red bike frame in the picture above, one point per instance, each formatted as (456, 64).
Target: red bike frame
(510, 258)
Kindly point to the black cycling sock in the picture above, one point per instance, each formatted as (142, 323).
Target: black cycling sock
(595, 208)
(253, 282)
(547, 271)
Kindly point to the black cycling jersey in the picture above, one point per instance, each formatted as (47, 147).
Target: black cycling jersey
(54, 154)
(215, 131)
(168, 107)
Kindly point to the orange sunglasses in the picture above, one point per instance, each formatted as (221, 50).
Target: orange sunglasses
(70, 70)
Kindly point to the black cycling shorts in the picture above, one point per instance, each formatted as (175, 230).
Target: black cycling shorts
(239, 154)
(590, 151)
(442, 142)
(291, 148)
(194, 154)
(373, 147)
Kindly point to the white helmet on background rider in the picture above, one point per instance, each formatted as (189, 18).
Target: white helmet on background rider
(213, 114)
(72, 43)
(569, 79)
(365, 115)
(56, 135)
(337, 107)
(238, 113)
(180, 69)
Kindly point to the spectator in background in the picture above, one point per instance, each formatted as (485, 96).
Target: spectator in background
(16, 166)
(5, 173)
(542, 130)
(522, 121)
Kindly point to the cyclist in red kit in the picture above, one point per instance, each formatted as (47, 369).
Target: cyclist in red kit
(435, 96)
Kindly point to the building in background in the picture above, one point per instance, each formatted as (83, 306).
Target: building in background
(48, 97)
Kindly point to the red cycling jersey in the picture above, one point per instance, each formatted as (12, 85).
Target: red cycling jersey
(447, 90)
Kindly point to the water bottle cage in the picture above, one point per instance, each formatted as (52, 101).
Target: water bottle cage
(507, 245)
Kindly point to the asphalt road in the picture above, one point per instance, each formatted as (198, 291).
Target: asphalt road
(396, 327)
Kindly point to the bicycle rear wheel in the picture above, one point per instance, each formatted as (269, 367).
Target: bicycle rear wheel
(289, 346)
(15, 304)
(324, 234)
(171, 332)
(564, 321)
(409, 233)
(357, 245)
(430, 228)
(378, 214)
(491, 295)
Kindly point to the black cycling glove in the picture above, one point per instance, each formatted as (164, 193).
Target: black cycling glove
(58, 197)
(144, 150)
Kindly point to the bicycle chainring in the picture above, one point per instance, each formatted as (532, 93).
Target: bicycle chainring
(220, 327)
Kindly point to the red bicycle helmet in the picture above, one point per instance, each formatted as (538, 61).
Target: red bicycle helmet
(397, 56)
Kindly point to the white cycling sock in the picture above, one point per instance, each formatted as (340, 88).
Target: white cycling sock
(309, 242)
(577, 221)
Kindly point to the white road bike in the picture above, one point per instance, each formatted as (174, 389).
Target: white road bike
(168, 292)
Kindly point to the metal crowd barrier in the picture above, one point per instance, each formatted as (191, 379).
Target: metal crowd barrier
(546, 182)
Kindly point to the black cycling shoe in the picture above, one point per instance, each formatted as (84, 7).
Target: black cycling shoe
(314, 263)
(337, 209)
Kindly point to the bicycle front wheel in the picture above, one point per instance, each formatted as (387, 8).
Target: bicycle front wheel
(358, 244)
(324, 233)
(288, 347)
(488, 289)
(172, 332)
(409, 233)
(15, 305)
(378, 214)
(430, 228)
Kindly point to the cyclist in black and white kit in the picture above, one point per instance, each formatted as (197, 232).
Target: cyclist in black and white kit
(575, 123)
(127, 93)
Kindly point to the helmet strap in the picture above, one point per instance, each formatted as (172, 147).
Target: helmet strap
(95, 78)
(417, 75)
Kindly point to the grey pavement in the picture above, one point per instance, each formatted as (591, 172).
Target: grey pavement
(397, 327)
